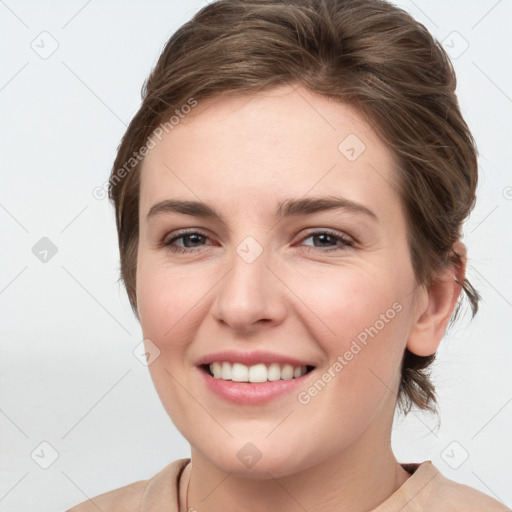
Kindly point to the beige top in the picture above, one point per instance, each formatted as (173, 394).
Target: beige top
(427, 490)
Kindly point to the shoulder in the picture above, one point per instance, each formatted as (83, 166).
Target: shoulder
(436, 492)
(124, 499)
(465, 497)
(161, 489)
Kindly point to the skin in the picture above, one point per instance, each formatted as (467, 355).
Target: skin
(243, 154)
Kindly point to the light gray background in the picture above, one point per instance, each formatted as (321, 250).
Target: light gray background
(68, 376)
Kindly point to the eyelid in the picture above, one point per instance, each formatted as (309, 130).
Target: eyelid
(182, 232)
(334, 232)
(345, 240)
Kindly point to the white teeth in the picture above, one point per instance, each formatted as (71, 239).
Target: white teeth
(239, 373)
(257, 373)
(216, 369)
(274, 372)
(226, 371)
(287, 372)
(261, 372)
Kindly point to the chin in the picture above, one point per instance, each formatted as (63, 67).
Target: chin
(246, 460)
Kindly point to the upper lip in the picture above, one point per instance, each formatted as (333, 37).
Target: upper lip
(251, 358)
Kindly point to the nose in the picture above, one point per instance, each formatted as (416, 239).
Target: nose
(250, 296)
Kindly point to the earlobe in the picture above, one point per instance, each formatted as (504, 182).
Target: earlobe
(437, 307)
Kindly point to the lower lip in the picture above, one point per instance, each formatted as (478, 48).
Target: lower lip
(249, 393)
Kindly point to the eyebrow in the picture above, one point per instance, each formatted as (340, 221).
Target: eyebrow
(287, 208)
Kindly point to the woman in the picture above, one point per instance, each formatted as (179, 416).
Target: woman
(289, 203)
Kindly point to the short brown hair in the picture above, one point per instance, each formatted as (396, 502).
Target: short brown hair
(365, 53)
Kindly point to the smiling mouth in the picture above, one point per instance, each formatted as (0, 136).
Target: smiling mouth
(262, 372)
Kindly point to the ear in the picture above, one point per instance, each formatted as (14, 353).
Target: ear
(436, 305)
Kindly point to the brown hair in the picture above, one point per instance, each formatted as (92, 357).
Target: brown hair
(366, 53)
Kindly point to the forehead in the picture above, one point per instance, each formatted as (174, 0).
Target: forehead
(256, 147)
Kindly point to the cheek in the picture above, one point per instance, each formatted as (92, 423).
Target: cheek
(346, 301)
(166, 298)
(367, 321)
(361, 321)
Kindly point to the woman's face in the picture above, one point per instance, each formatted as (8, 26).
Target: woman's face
(332, 288)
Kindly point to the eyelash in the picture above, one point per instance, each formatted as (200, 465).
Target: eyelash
(345, 242)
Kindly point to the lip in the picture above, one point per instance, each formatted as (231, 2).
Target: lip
(249, 393)
(251, 358)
